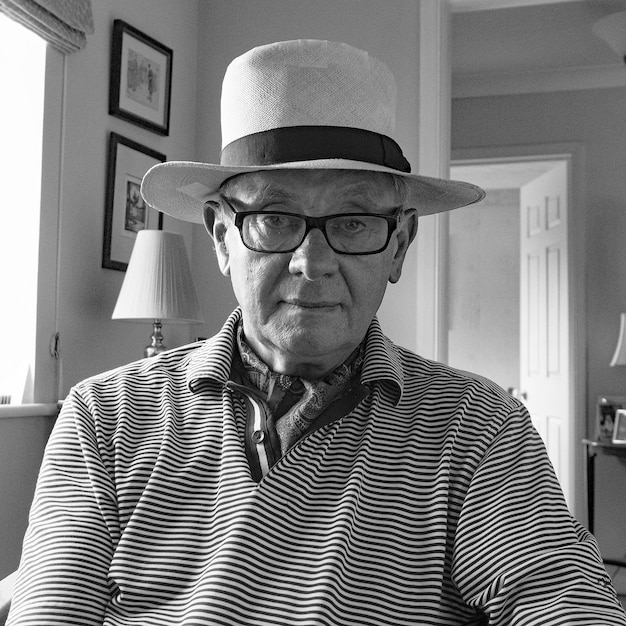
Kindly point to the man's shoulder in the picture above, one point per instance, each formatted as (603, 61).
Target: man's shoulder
(165, 364)
(176, 362)
(448, 381)
(412, 376)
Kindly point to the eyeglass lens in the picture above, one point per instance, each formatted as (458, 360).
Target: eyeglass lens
(279, 232)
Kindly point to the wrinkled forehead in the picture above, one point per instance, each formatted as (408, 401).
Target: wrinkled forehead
(291, 184)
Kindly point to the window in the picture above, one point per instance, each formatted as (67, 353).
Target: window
(22, 75)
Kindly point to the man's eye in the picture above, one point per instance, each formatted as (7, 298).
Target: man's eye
(354, 225)
(274, 221)
(350, 226)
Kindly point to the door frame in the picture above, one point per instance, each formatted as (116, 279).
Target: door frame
(576, 255)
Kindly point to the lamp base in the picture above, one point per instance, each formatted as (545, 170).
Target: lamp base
(156, 346)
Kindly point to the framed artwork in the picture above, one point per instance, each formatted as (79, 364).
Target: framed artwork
(125, 212)
(608, 406)
(619, 429)
(141, 79)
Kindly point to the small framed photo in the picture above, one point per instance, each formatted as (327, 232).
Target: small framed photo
(606, 414)
(125, 212)
(619, 429)
(141, 79)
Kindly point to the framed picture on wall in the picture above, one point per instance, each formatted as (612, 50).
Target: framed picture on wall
(125, 212)
(608, 406)
(141, 79)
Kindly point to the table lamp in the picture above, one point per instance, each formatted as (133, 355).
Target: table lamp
(158, 286)
(619, 358)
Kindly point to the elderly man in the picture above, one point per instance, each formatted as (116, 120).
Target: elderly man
(298, 467)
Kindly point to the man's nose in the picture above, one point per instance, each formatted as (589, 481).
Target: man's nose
(314, 258)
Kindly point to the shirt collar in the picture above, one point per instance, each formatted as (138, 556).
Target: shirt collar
(382, 362)
(212, 360)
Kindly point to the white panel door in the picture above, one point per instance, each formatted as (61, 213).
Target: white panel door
(544, 347)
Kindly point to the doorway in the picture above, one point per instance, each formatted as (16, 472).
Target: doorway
(509, 299)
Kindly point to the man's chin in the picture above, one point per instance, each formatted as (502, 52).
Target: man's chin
(310, 352)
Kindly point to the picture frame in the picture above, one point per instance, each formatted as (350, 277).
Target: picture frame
(607, 408)
(125, 212)
(619, 428)
(140, 88)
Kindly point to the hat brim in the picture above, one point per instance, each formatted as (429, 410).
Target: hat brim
(182, 188)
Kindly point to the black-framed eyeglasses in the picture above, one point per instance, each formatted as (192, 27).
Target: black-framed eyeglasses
(346, 233)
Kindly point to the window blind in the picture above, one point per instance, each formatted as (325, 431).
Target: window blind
(62, 23)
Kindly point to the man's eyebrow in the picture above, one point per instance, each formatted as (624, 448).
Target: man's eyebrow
(276, 194)
(362, 191)
(270, 192)
(265, 194)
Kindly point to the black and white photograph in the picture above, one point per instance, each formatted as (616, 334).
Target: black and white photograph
(313, 312)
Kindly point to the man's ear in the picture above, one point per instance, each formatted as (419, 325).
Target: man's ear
(217, 227)
(210, 209)
(406, 233)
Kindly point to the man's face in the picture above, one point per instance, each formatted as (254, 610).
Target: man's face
(305, 311)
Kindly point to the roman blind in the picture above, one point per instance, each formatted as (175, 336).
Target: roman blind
(62, 23)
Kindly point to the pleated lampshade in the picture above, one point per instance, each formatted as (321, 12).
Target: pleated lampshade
(158, 285)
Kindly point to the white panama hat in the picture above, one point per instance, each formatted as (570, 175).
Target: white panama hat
(302, 104)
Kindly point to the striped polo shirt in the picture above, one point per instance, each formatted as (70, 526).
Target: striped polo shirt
(430, 502)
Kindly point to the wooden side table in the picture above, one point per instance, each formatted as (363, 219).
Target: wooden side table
(592, 449)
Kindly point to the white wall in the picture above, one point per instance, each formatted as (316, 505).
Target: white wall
(85, 292)
(484, 289)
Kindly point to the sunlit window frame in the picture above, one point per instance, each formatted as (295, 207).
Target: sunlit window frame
(46, 367)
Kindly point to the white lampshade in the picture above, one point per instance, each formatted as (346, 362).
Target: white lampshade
(619, 358)
(612, 29)
(158, 283)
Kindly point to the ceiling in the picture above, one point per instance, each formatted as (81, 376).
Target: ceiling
(481, 5)
(503, 175)
(520, 46)
(501, 47)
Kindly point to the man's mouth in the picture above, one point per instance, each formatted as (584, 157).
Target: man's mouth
(310, 304)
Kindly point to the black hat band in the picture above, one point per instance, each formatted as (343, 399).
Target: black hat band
(309, 143)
